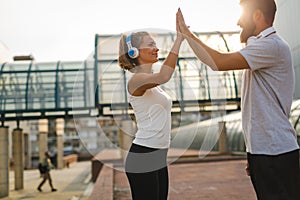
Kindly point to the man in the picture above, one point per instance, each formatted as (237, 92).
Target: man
(47, 165)
(267, 94)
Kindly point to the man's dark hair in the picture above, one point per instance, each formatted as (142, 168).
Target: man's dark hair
(267, 7)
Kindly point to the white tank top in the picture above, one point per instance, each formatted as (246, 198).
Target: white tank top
(153, 117)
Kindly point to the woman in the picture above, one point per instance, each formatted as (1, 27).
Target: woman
(146, 166)
(47, 166)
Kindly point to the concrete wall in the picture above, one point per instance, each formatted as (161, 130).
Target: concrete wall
(287, 25)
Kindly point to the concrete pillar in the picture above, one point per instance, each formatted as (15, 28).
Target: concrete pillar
(60, 151)
(223, 144)
(18, 158)
(26, 126)
(27, 151)
(43, 138)
(60, 129)
(126, 136)
(4, 162)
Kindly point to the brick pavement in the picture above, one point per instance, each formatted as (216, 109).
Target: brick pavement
(219, 180)
(217, 177)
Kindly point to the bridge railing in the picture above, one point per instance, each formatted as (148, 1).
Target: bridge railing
(39, 89)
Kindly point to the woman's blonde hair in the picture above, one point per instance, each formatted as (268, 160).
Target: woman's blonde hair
(125, 62)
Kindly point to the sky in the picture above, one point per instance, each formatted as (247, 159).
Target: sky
(64, 30)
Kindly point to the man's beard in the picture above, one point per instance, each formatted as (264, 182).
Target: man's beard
(247, 32)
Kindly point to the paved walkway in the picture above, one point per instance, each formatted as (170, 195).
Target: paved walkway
(190, 179)
(71, 183)
(222, 180)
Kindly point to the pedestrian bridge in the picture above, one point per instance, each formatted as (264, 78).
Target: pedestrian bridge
(96, 86)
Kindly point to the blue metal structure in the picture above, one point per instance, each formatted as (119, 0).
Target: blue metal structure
(45, 90)
(97, 87)
(30, 90)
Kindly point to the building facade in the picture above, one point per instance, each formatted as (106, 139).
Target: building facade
(287, 25)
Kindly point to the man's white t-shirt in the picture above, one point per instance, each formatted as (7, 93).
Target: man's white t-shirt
(267, 94)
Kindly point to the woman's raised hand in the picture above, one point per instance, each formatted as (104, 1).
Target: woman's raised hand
(180, 24)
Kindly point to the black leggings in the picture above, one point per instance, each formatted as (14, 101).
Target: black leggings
(147, 173)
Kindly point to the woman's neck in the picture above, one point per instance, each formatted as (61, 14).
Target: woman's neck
(144, 69)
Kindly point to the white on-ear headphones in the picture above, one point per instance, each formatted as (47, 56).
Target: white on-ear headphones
(133, 52)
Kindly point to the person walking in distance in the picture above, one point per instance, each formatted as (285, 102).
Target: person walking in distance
(267, 93)
(47, 166)
(146, 165)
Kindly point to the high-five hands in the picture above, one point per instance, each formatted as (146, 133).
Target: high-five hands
(179, 34)
(180, 24)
